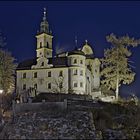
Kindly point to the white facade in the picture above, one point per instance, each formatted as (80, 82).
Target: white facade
(71, 72)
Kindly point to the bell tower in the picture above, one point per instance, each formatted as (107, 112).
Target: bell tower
(44, 39)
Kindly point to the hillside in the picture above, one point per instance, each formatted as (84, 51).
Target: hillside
(84, 120)
(52, 125)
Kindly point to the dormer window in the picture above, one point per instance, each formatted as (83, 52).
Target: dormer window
(42, 64)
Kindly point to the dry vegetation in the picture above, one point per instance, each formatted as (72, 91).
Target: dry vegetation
(124, 116)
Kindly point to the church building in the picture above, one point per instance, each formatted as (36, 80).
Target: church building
(76, 71)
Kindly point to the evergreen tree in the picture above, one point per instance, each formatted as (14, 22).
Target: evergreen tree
(116, 67)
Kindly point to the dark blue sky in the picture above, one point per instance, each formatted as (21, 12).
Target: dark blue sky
(19, 22)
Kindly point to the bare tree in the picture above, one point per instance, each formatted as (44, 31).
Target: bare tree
(59, 85)
(7, 75)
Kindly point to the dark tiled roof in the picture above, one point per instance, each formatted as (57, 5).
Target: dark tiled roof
(57, 62)
(26, 64)
(79, 52)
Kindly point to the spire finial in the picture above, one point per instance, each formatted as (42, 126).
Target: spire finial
(86, 41)
(44, 17)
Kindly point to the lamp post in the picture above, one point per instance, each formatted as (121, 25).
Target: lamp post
(1, 91)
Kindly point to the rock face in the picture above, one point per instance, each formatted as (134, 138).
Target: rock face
(53, 125)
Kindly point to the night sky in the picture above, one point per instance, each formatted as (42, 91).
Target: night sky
(19, 22)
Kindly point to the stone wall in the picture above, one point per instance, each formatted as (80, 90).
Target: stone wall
(53, 125)
(25, 107)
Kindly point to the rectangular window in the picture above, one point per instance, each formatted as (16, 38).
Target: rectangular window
(40, 44)
(87, 78)
(35, 75)
(81, 84)
(24, 75)
(81, 72)
(24, 86)
(75, 72)
(75, 84)
(49, 86)
(75, 61)
(61, 73)
(49, 74)
(35, 86)
(81, 61)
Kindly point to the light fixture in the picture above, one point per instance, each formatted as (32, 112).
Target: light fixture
(1, 91)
